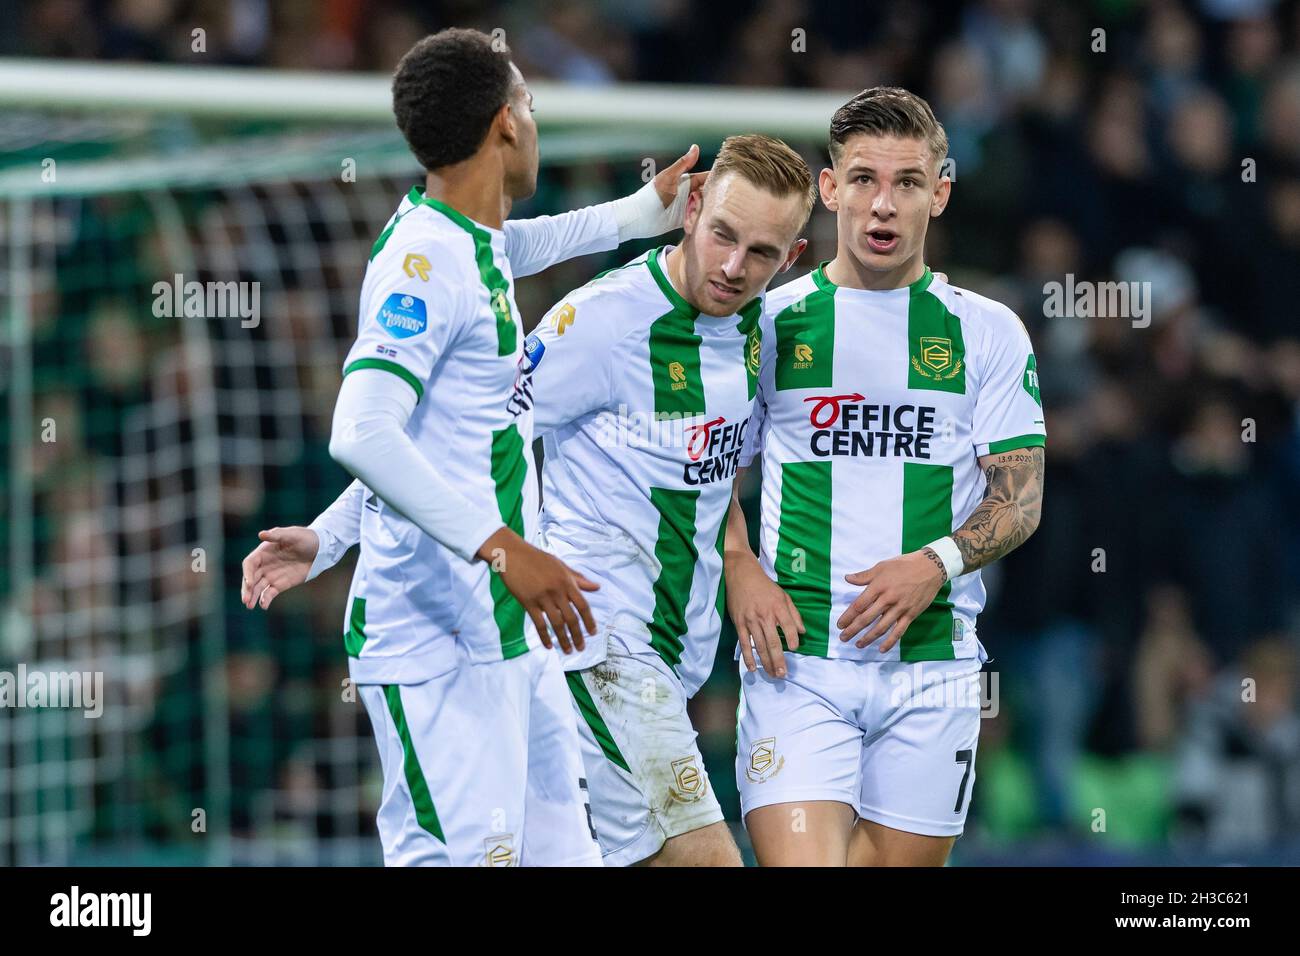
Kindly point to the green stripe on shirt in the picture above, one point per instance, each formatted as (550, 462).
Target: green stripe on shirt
(386, 366)
(803, 549)
(677, 555)
(509, 471)
(927, 515)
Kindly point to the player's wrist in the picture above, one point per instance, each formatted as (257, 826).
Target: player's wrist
(643, 214)
(946, 556)
(501, 541)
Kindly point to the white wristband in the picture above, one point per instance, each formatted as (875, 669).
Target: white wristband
(642, 215)
(948, 552)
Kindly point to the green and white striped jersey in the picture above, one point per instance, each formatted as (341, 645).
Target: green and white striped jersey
(872, 411)
(643, 404)
(438, 310)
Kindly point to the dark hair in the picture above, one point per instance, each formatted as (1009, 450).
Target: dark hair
(888, 111)
(446, 90)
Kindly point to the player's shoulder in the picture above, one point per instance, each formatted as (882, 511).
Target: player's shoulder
(622, 298)
(425, 245)
(776, 301)
(982, 318)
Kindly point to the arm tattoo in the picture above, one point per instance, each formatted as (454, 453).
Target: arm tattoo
(1009, 513)
(937, 561)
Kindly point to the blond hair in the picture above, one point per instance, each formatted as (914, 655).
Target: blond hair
(767, 162)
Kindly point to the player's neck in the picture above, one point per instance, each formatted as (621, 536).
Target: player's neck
(473, 188)
(675, 270)
(847, 271)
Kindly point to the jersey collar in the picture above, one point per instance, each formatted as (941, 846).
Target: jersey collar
(418, 198)
(826, 285)
(672, 295)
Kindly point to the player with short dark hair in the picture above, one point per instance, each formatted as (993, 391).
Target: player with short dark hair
(901, 433)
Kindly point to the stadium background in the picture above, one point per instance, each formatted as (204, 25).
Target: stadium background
(1173, 158)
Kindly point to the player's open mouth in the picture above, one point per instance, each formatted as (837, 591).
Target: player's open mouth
(882, 240)
(724, 292)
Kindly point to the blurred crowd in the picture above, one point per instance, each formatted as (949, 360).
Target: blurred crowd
(1145, 639)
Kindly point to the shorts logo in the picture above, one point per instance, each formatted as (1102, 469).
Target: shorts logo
(688, 779)
(763, 761)
(803, 355)
(499, 850)
(677, 372)
(936, 361)
(562, 319)
(402, 316)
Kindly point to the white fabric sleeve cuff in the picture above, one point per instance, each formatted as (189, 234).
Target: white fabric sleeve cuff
(948, 552)
(369, 439)
(642, 215)
(337, 528)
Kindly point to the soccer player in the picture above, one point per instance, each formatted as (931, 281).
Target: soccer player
(902, 441)
(641, 383)
(644, 381)
(476, 734)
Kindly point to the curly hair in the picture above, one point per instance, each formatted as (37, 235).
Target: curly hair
(446, 89)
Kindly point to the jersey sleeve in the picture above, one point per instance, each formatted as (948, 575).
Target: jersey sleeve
(337, 528)
(568, 362)
(1008, 408)
(753, 445)
(536, 244)
(407, 321)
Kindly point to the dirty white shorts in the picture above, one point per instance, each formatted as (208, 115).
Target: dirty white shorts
(645, 776)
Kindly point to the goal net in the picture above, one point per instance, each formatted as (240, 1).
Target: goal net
(179, 291)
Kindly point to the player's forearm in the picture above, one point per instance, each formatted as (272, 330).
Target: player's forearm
(1010, 511)
(536, 244)
(369, 439)
(337, 528)
(736, 548)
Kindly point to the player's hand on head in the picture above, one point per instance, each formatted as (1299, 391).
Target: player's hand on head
(894, 593)
(282, 561)
(548, 589)
(668, 180)
(762, 613)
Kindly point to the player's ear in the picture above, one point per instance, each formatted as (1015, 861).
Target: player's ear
(826, 185)
(796, 250)
(942, 191)
(694, 204)
(504, 123)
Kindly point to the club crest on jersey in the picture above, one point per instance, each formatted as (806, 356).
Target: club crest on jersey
(403, 315)
(688, 780)
(500, 305)
(763, 760)
(753, 352)
(499, 850)
(936, 359)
